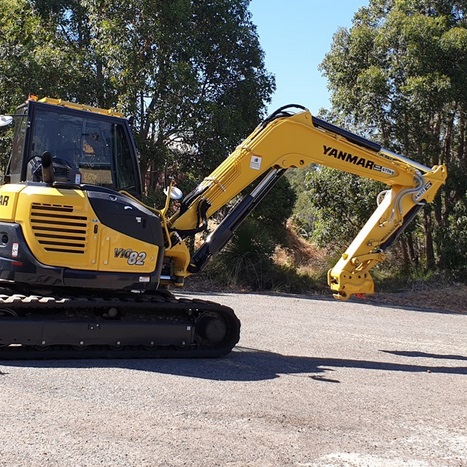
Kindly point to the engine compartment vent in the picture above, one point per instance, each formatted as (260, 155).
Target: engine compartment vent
(58, 228)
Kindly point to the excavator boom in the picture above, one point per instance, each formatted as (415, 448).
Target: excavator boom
(297, 140)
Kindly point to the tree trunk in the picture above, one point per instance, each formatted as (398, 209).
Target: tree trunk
(429, 248)
(412, 252)
(405, 254)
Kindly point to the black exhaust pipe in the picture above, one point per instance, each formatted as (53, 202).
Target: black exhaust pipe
(47, 167)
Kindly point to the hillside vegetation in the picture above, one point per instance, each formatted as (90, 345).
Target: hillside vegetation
(305, 266)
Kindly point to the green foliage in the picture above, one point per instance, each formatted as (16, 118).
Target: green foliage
(399, 75)
(342, 202)
(273, 212)
(191, 73)
(6, 137)
(453, 240)
(247, 259)
(304, 212)
(246, 263)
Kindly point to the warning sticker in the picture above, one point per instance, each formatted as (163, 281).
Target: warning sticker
(420, 193)
(255, 163)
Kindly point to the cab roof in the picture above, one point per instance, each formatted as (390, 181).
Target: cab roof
(73, 105)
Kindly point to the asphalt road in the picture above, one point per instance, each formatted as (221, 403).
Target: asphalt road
(312, 383)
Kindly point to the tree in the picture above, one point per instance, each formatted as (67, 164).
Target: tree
(40, 54)
(190, 72)
(399, 74)
(335, 225)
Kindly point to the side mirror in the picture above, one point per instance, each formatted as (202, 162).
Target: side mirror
(6, 120)
(175, 193)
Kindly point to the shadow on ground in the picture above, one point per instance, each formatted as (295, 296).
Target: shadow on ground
(246, 364)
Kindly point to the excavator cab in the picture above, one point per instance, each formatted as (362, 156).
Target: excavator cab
(70, 210)
(86, 148)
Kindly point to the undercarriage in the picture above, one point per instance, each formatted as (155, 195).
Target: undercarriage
(150, 325)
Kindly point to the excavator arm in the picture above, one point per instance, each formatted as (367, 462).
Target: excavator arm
(295, 140)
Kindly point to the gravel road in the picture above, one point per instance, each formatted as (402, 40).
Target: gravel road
(312, 383)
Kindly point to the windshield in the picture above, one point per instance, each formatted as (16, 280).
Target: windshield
(85, 150)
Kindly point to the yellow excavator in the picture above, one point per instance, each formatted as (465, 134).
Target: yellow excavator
(86, 267)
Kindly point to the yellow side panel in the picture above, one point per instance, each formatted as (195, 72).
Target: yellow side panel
(8, 200)
(61, 229)
(121, 253)
(58, 225)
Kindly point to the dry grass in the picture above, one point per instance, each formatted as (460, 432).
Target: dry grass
(307, 259)
(452, 298)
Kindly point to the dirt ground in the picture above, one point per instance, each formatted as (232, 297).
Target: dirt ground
(452, 298)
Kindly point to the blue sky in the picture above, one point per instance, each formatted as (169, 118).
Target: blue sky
(295, 36)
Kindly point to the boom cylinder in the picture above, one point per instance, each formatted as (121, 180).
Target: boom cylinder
(226, 229)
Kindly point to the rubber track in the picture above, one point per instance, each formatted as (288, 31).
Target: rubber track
(154, 305)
